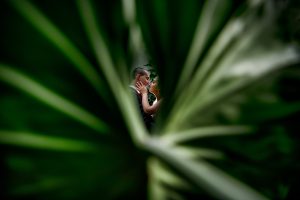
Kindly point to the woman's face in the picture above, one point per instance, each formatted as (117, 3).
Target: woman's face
(153, 86)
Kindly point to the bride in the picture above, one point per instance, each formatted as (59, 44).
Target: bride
(153, 88)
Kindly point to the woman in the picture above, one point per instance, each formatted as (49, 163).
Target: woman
(150, 109)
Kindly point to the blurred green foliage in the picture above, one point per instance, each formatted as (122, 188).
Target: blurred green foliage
(48, 155)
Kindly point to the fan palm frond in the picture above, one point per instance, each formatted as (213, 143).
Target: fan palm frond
(209, 56)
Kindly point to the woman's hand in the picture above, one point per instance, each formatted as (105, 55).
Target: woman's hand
(141, 88)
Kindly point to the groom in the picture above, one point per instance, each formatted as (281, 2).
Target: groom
(142, 75)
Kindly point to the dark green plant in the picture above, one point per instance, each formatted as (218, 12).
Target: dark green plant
(70, 128)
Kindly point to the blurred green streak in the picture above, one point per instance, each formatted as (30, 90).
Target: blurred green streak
(196, 152)
(211, 16)
(26, 84)
(33, 140)
(272, 61)
(213, 180)
(102, 53)
(121, 92)
(196, 133)
(160, 175)
(41, 23)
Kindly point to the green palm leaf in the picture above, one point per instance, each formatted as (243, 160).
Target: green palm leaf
(34, 16)
(34, 140)
(48, 97)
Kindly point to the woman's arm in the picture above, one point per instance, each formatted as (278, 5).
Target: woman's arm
(149, 109)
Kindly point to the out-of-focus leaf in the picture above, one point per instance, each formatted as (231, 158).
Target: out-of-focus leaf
(207, 23)
(196, 152)
(196, 133)
(206, 53)
(123, 98)
(161, 174)
(216, 182)
(34, 140)
(221, 46)
(26, 84)
(288, 56)
(37, 19)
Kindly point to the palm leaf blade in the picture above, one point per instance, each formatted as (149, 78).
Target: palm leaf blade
(26, 84)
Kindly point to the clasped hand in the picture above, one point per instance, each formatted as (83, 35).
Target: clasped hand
(141, 88)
